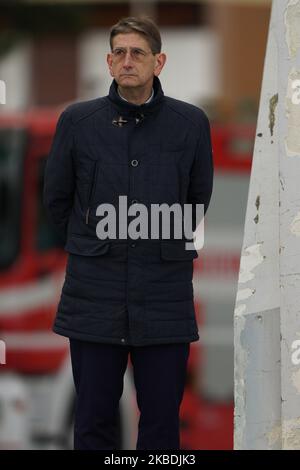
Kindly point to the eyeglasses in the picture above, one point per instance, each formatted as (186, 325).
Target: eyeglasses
(137, 54)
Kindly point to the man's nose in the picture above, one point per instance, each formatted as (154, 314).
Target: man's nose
(128, 59)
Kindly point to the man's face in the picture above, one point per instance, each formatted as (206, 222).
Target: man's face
(132, 63)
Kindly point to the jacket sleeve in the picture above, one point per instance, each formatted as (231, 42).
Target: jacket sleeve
(201, 176)
(59, 178)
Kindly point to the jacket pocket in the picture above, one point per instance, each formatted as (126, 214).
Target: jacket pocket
(176, 251)
(92, 188)
(80, 245)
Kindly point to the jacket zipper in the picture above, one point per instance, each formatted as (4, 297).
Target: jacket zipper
(91, 192)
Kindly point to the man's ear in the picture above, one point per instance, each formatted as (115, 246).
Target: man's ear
(160, 61)
(109, 63)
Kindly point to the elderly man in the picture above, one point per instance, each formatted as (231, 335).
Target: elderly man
(127, 296)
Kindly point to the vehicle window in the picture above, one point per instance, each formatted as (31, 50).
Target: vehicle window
(12, 145)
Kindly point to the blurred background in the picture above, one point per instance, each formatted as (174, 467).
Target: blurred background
(53, 53)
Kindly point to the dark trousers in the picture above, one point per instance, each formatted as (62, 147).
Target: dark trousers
(159, 373)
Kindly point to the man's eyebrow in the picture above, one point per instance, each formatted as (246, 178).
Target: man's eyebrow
(130, 47)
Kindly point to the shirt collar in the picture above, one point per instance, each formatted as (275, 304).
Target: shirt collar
(148, 100)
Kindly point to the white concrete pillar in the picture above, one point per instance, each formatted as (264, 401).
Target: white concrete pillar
(267, 313)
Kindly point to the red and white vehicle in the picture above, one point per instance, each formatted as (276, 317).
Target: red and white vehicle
(36, 387)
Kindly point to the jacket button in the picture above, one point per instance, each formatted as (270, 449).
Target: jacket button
(123, 340)
(134, 162)
(133, 245)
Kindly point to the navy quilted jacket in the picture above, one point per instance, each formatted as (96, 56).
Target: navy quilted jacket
(125, 291)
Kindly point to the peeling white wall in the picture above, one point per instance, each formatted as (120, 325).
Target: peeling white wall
(267, 315)
(256, 315)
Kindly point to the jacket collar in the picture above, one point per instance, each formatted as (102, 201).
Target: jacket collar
(127, 108)
(148, 100)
